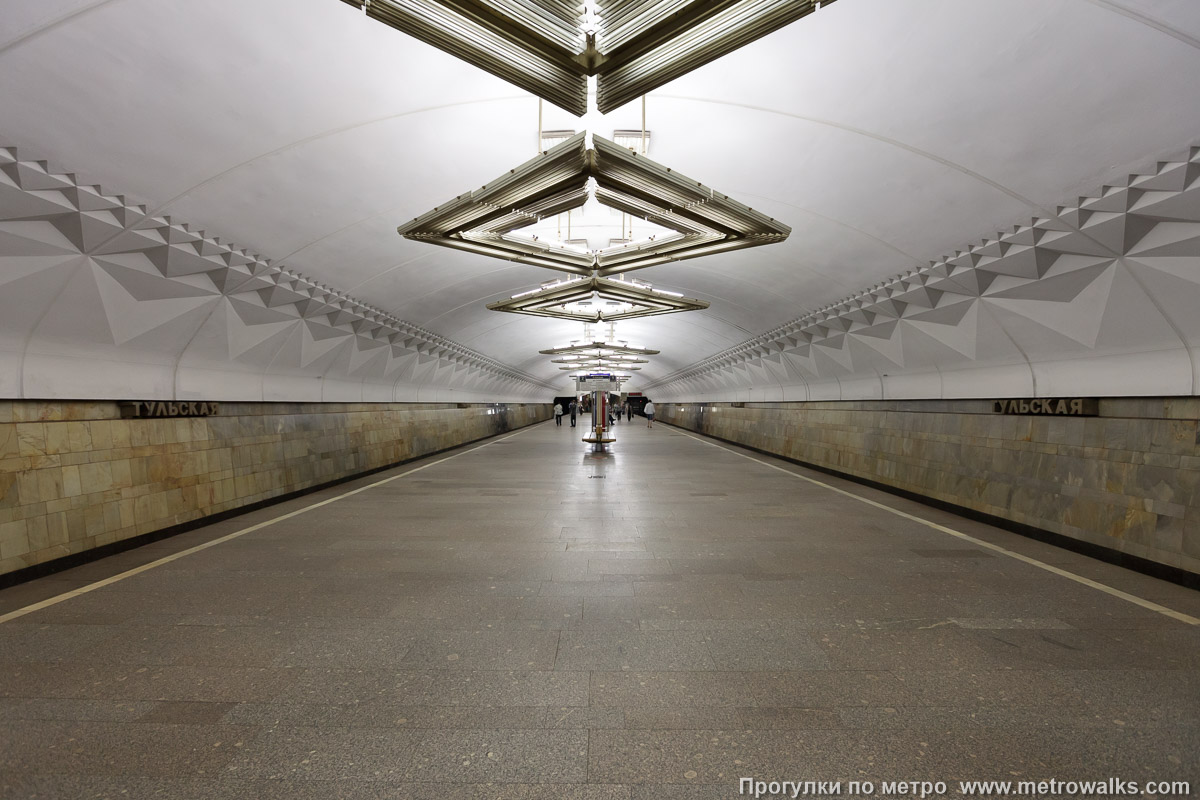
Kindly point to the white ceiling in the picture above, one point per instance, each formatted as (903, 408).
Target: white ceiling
(887, 134)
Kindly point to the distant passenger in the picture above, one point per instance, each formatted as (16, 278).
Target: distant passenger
(629, 411)
(558, 414)
(648, 410)
(574, 406)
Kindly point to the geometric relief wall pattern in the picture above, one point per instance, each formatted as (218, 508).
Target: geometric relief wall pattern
(1116, 272)
(120, 278)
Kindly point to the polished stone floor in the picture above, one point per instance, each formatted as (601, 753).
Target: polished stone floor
(530, 620)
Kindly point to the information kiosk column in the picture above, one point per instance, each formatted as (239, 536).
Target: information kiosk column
(599, 386)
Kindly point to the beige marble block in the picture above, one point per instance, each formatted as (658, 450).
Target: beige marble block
(10, 490)
(14, 539)
(31, 438)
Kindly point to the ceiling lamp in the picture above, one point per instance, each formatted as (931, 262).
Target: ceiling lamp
(550, 47)
(583, 361)
(607, 348)
(487, 220)
(636, 140)
(597, 300)
(601, 362)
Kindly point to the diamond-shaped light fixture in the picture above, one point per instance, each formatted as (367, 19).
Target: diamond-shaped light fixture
(488, 220)
(599, 366)
(597, 300)
(580, 361)
(599, 350)
(550, 47)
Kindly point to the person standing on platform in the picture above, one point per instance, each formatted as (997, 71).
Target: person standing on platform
(558, 414)
(629, 412)
(648, 410)
(574, 407)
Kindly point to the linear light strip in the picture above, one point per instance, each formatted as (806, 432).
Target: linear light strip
(544, 261)
(722, 33)
(620, 349)
(564, 165)
(623, 21)
(553, 301)
(548, 78)
(655, 213)
(557, 22)
(541, 45)
(618, 163)
(553, 205)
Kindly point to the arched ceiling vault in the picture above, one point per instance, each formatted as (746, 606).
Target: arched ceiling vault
(887, 135)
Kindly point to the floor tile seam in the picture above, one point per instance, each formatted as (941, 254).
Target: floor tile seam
(405, 780)
(236, 534)
(545, 726)
(274, 729)
(1147, 604)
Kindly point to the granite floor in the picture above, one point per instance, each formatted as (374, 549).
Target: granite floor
(531, 620)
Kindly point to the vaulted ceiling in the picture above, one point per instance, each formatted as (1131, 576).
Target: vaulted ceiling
(887, 135)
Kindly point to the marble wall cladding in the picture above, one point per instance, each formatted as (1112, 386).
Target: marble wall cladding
(1128, 479)
(74, 475)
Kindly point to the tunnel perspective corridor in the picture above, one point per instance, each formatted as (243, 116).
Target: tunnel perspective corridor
(290, 291)
(524, 618)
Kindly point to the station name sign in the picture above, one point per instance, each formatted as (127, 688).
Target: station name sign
(601, 383)
(1049, 406)
(143, 409)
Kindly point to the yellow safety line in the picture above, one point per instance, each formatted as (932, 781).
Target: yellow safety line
(1147, 604)
(20, 612)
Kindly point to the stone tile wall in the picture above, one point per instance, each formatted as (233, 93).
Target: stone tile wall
(1128, 479)
(74, 475)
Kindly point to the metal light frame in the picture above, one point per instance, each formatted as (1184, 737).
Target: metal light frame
(614, 348)
(553, 301)
(599, 366)
(549, 47)
(586, 360)
(486, 220)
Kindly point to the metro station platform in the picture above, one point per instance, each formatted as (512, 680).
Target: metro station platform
(522, 618)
